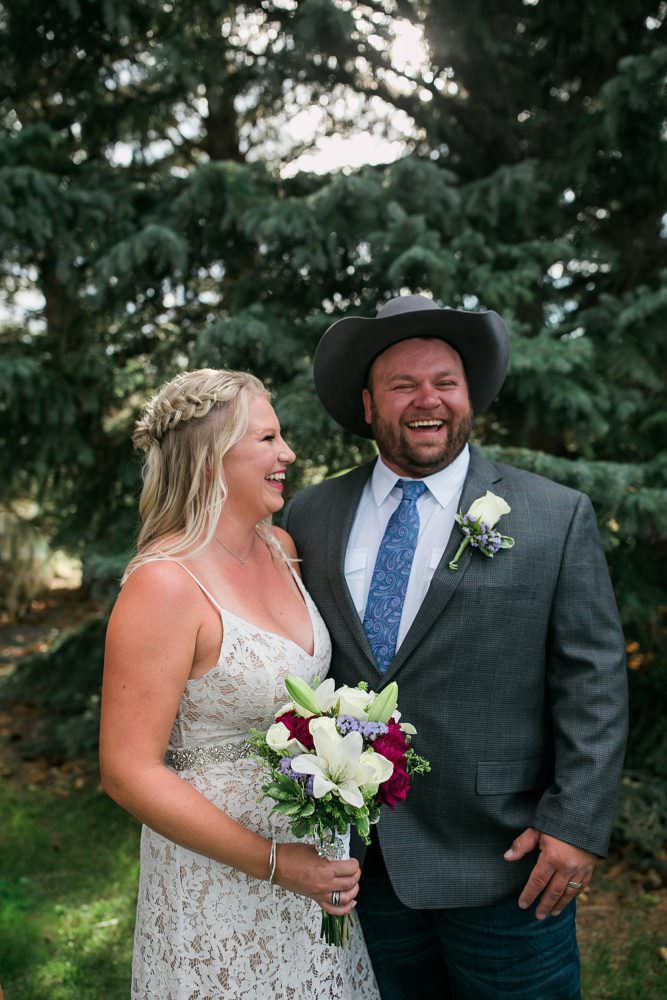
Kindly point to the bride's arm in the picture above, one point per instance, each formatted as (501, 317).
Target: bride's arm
(150, 648)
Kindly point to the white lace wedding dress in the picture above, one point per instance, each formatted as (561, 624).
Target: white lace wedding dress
(205, 930)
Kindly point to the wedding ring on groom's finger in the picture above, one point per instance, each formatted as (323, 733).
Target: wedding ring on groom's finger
(335, 897)
(575, 885)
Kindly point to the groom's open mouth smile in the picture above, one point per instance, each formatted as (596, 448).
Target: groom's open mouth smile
(425, 427)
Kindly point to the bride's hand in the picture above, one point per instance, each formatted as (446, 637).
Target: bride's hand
(299, 868)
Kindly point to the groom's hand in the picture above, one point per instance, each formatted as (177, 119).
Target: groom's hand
(558, 864)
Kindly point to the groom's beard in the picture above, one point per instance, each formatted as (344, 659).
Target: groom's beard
(417, 459)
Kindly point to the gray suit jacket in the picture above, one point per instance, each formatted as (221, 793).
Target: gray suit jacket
(513, 673)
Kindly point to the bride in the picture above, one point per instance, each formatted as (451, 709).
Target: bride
(211, 618)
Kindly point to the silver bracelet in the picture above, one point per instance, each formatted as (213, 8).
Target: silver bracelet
(273, 858)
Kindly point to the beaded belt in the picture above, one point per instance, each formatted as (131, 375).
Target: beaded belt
(191, 757)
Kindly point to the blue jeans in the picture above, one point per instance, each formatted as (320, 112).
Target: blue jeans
(494, 952)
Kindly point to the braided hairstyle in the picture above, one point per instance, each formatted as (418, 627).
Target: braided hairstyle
(185, 430)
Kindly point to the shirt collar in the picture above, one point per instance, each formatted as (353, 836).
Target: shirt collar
(442, 485)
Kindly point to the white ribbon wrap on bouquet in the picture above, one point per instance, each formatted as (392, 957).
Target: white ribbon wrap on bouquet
(335, 928)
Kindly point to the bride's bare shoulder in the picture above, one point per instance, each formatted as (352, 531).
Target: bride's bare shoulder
(158, 589)
(285, 541)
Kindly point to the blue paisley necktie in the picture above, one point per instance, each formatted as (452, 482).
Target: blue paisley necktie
(391, 574)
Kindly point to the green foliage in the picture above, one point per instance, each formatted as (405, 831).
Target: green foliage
(642, 814)
(68, 873)
(642, 817)
(415, 764)
(70, 729)
(647, 750)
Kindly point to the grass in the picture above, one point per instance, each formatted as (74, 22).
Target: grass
(68, 871)
(624, 949)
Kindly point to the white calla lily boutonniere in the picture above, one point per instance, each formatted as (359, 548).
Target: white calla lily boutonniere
(479, 527)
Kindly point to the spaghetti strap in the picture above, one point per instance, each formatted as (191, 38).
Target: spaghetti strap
(277, 546)
(199, 584)
(301, 587)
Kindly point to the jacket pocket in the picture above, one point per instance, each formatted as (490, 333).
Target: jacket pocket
(498, 777)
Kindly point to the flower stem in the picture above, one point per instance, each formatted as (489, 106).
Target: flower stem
(335, 930)
(454, 564)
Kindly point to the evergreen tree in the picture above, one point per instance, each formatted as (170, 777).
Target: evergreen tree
(131, 186)
(555, 131)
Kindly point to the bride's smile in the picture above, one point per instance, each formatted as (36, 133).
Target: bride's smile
(255, 467)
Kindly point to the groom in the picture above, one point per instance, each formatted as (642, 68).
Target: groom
(510, 665)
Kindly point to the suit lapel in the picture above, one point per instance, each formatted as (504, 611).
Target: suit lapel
(341, 517)
(482, 474)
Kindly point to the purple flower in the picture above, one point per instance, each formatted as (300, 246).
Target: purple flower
(285, 767)
(369, 730)
(308, 783)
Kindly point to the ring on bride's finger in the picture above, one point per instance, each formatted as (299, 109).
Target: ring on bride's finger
(575, 885)
(335, 897)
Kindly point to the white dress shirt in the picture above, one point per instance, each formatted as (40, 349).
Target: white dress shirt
(379, 500)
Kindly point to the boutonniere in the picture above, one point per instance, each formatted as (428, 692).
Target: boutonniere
(478, 527)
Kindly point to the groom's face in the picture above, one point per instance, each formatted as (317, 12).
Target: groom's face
(418, 406)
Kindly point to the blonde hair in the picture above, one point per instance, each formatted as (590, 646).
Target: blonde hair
(185, 430)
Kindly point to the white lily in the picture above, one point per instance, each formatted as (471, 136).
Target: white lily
(406, 727)
(305, 700)
(338, 764)
(384, 704)
(325, 695)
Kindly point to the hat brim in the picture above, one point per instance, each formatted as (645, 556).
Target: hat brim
(348, 348)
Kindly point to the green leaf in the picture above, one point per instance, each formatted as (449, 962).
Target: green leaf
(277, 792)
(287, 808)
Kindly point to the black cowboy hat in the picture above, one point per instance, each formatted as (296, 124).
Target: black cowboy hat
(349, 346)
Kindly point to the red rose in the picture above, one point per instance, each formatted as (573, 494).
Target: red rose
(392, 745)
(394, 789)
(289, 720)
(298, 729)
(302, 731)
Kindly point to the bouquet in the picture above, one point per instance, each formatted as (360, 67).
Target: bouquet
(334, 757)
